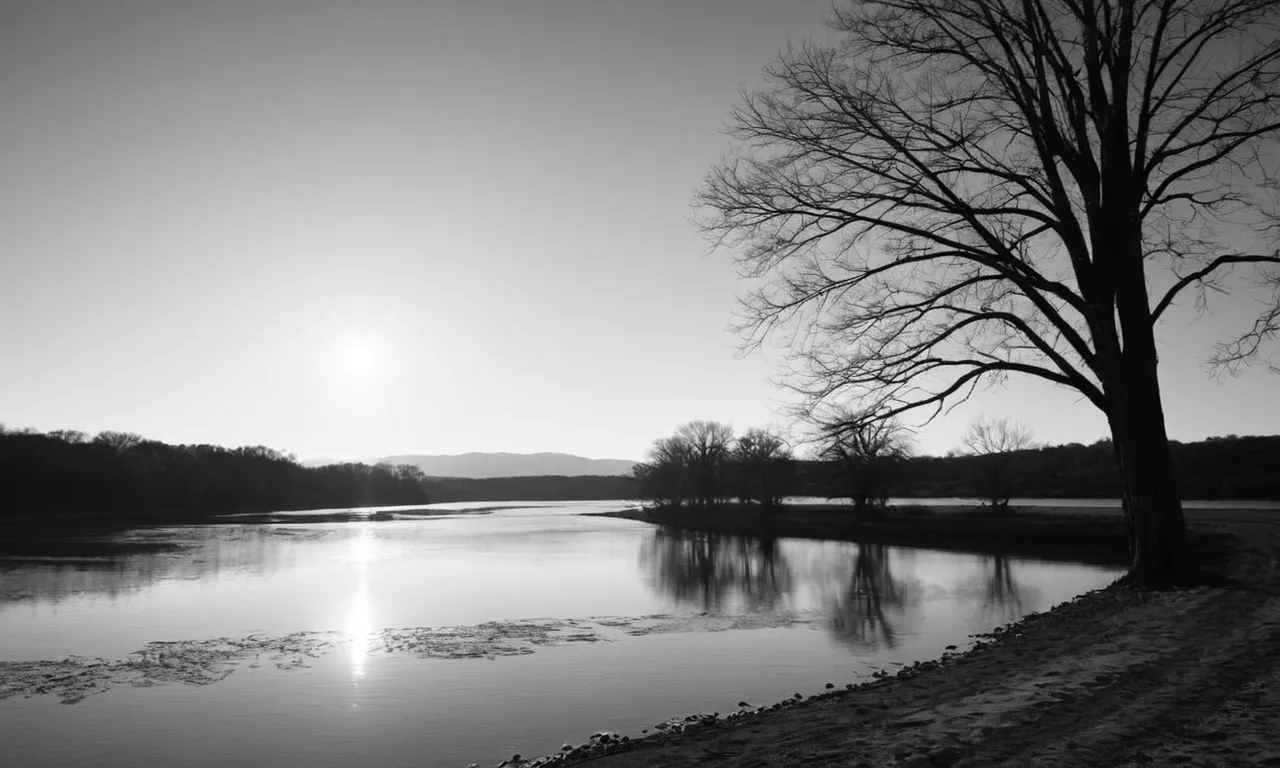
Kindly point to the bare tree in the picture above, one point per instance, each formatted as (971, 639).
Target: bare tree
(764, 467)
(867, 454)
(689, 467)
(959, 191)
(664, 478)
(709, 444)
(993, 440)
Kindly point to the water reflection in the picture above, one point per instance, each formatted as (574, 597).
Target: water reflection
(864, 613)
(1002, 594)
(360, 577)
(853, 584)
(869, 594)
(200, 553)
(717, 572)
(236, 581)
(362, 550)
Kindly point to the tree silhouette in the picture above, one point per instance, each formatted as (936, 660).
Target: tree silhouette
(118, 440)
(709, 444)
(867, 455)
(665, 477)
(994, 440)
(763, 468)
(958, 191)
(120, 475)
(702, 465)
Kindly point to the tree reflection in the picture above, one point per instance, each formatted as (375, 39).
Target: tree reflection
(1001, 594)
(716, 571)
(859, 617)
(189, 553)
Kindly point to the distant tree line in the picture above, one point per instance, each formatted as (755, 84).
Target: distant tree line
(1230, 467)
(703, 465)
(121, 474)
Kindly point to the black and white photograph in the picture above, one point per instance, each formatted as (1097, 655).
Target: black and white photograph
(639, 383)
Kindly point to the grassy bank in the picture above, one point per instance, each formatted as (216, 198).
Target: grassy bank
(1055, 533)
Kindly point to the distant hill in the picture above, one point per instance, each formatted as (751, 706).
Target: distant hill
(480, 465)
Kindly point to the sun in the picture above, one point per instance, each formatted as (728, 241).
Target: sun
(358, 357)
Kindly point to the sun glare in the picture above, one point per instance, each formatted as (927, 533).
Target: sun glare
(359, 357)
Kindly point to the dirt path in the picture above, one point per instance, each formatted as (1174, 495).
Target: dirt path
(1117, 678)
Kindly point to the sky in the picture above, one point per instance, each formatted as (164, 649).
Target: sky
(358, 229)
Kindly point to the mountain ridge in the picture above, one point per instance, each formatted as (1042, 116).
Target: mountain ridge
(479, 465)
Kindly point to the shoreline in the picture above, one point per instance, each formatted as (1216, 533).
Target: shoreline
(1115, 677)
(1096, 537)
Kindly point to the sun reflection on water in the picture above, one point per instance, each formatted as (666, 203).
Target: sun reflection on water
(359, 629)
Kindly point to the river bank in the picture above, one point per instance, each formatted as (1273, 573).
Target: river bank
(1116, 677)
(1095, 536)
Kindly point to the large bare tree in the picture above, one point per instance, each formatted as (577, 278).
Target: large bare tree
(959, 190)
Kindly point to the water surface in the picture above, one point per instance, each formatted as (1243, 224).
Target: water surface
(737, 619)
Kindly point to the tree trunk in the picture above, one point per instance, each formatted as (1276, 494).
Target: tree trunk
(1157, 529)
(1152, 508)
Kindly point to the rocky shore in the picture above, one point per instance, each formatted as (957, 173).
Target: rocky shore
(1116, 677)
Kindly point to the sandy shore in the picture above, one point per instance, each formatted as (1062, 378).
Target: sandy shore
(1117, 677)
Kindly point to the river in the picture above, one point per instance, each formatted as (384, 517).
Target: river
(460, 633)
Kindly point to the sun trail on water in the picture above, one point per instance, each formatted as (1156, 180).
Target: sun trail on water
(359, 629)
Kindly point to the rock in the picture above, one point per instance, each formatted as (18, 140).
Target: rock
(917, 761)
(951, 647)
(830, 686)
